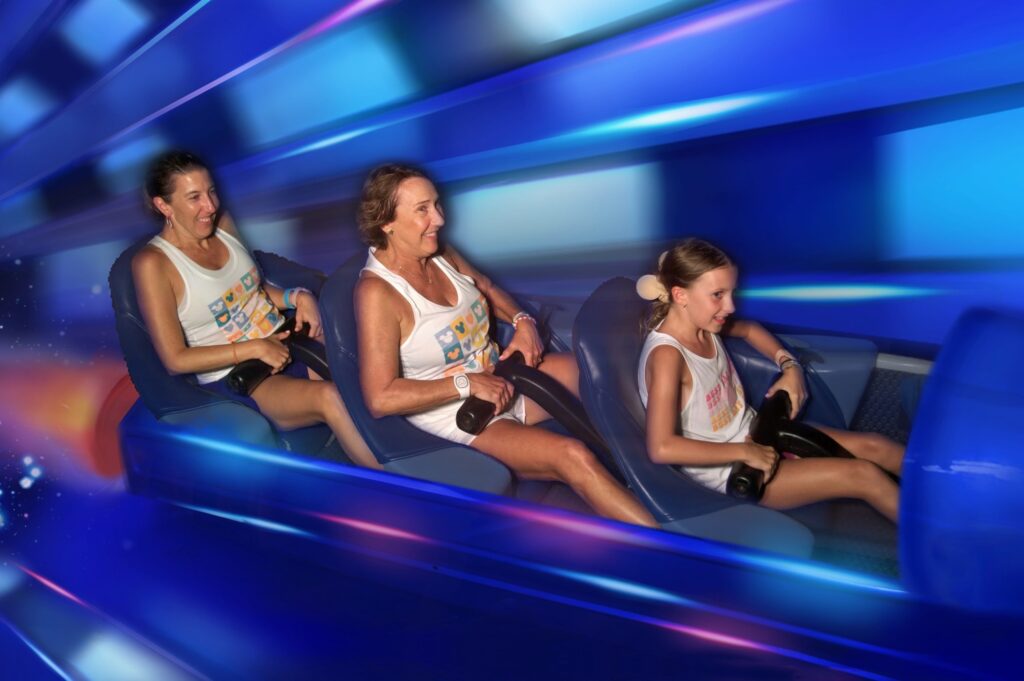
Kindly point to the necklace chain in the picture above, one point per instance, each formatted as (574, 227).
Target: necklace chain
(426, 273)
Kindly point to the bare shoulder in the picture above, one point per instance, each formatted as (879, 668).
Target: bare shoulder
(375, 296)
(455, 258)
(227, 223)
(149, 262)
(665, 358)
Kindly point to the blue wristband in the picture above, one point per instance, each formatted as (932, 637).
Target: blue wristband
(291, 292)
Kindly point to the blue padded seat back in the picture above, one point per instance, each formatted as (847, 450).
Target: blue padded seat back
(962, 505)
(179, 398)
(608, 339)
(161, 392)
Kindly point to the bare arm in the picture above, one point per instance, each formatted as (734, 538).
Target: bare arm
(307, 309)
(526, 338)
(665, 372)
(380, 335)
(154, 278)
(792, 379)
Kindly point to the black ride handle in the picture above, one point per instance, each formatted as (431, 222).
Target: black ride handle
(772, 427)
(475, 413)
(248, 375)
(551, 396)
(745, 481)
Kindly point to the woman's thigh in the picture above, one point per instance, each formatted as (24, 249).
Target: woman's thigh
(563, 368)
(530, 451)
(290, 402)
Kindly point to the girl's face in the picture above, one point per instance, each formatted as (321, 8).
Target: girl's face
(708, 300)
(418, 218)
(193, 204)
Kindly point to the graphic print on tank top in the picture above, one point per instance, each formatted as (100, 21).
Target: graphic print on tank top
(465, 343)
(243, 311)
(725, 400)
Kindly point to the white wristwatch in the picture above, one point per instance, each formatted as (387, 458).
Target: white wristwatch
(462, 385)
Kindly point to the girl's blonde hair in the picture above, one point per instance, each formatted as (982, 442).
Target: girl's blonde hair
(681, 265)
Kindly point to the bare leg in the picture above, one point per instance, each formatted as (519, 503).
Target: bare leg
(805, 481)
(563, 368)
(535, 453)
(870, 446)
(294, 403)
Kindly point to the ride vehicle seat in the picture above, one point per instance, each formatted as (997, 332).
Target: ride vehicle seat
(607, 340)
(399, 446)
(167, 400)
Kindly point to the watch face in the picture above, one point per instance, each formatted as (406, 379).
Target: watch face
(462, 381)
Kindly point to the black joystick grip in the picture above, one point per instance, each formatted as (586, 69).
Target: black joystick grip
(475, 413)
(745, 482)
(247, 375)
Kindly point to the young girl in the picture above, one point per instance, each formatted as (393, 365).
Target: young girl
(697, 416)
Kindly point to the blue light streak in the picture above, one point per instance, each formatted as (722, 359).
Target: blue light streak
(42, 656)
(832, 293)
(249, 520)
(678, 115)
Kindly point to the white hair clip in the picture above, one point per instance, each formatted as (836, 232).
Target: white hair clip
(649, 288)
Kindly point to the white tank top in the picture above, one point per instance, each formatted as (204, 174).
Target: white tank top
(716, 410)
(221, 306)
(444, 341)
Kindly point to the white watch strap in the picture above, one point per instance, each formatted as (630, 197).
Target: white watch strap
(461, 385)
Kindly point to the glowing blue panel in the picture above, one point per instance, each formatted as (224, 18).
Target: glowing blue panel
(274, 236)
(74, 282)
(99, 29)
(21, 212)
(543, 21)
(121, 168)
(22, 104)
(954, 189)
(319, 82)
(596, 209)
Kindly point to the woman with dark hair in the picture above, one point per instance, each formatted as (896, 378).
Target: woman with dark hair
(424, 344)
(207, 309)
(697, 414)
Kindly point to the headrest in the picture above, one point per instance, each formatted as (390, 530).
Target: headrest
(961, 509)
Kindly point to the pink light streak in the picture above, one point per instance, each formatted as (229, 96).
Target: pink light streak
(47, 583)
(707, 24)
(344, 14)
(374, 528)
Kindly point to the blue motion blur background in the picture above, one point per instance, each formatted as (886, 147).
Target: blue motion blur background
(861, 161)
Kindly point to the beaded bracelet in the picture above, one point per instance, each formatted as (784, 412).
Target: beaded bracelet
(520, 316)
(788, 362)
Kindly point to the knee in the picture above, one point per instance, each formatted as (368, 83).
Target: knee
(575, 462)
(328, 399)
(866, 477)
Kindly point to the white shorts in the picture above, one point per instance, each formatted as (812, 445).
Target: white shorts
(441, 420)
(712, 477)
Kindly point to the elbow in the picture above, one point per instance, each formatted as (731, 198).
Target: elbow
(657, 452)
(174, 366)
(376, 405)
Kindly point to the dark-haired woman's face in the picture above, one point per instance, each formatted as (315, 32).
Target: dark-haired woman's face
(193, 204)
